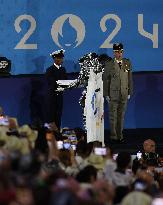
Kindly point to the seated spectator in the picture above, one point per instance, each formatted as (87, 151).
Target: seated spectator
(97, 159)
(147, 176)
(17, 138)
(148, 157)
(82, 154)
(80, 134)
(110, 164)
(104, 192)
(98, 162)
(120, 176)
(87, 175)
(149, 154)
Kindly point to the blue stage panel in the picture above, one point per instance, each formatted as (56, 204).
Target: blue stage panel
(24, 97)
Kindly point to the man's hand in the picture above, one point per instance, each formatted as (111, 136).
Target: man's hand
(129, 97)
(59, 89)
(108, 99)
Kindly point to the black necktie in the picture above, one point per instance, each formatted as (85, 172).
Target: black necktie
(120, 65)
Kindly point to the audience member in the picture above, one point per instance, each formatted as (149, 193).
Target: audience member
(148, 157)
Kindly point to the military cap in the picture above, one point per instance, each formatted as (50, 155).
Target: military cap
(58, 53)
(118, 47)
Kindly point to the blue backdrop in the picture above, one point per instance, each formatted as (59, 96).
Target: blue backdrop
(31, 29)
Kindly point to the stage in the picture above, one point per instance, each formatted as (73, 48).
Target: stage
(24, 97)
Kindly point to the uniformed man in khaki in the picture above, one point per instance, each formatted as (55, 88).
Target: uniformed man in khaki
(117, 80)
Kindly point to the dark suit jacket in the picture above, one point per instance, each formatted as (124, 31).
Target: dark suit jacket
(53, 74)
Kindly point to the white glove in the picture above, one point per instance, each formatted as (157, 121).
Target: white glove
(129, 97)
(108, 98)
(59, 89)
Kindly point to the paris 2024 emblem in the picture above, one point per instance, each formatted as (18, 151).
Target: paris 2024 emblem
(75, 22)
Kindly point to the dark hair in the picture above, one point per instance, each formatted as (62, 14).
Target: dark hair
(80, 133)
(85, 174)
(123, 159)
(81, 148)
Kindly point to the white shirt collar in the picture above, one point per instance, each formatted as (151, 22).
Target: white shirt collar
(58, 66)
(118, 61)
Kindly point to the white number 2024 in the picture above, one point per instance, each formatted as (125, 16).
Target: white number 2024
(106, 44)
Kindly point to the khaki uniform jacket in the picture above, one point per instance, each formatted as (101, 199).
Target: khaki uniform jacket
(117, 82)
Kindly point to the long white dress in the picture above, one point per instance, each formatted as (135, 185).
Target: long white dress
(94, 108)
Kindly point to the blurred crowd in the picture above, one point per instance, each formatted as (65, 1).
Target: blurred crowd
(41, 165)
